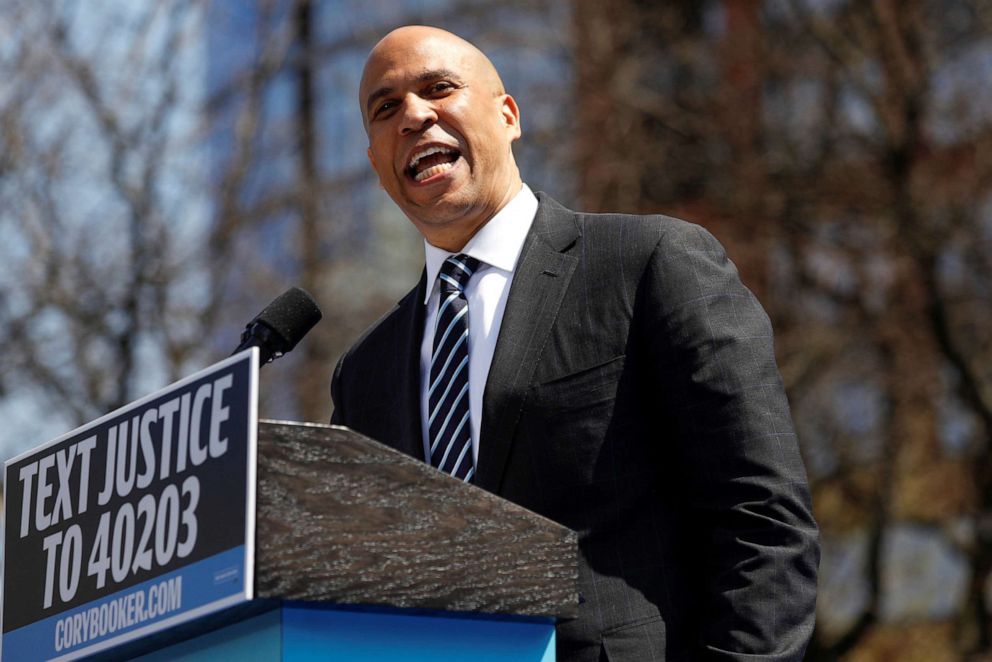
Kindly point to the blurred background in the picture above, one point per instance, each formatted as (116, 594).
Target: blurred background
(167, 167)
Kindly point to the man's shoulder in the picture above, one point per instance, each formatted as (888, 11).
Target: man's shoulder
(648, 231)
(384, 332)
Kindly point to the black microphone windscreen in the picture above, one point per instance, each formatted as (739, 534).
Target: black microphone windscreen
(292, 314)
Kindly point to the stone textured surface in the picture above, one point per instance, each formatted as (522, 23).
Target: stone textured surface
(345, 519)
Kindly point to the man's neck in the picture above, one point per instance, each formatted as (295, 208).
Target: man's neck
(454, 237)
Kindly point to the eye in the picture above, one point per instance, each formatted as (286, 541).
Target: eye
(440, 87)
(384, 108)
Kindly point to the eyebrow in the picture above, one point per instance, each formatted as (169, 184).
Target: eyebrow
(425, 77)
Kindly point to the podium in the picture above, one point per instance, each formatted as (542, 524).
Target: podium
(364, 553)
(181, 527)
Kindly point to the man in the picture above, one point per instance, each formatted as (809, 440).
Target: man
(609, 372)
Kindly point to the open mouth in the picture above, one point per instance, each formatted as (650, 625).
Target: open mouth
(431, 161)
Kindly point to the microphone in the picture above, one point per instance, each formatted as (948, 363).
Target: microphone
(282, 324)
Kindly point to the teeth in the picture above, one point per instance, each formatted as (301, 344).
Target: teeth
(433, 170)
(427, 152)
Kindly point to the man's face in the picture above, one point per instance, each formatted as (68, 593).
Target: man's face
(440, 131)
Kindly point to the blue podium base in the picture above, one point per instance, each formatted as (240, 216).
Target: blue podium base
(298, 633)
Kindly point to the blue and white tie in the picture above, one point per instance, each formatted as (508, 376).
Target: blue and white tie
(448, 404)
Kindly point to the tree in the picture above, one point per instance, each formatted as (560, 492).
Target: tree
(100, 254)
(841, 152)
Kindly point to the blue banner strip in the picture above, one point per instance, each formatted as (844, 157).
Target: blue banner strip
(315, 635)
(157, 604)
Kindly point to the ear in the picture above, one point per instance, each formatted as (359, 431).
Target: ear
(511, 115)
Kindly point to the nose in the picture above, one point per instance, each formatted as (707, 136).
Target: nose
(418, 114)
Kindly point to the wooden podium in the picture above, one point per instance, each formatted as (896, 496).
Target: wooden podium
(364, 553)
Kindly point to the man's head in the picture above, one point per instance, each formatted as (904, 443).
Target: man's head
(440, 127)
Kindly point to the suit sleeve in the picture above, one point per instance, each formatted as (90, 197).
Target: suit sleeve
(744, 480)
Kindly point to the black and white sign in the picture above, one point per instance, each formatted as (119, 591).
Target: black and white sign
(135, 522)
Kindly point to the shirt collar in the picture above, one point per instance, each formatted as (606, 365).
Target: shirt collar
(497, 243)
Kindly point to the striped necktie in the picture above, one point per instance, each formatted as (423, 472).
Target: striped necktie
(448, 403)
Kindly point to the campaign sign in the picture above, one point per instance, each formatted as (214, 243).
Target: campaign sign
(136, 522)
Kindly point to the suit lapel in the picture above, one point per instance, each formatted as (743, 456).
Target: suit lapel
(409, 437)
(540, 281)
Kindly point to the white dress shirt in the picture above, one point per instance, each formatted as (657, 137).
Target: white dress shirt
(497, 246)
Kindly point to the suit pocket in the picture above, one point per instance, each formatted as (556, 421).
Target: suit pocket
(567, 421)
(640, 642)
(577, 391)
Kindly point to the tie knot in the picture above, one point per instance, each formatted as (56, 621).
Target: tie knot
(456, 272)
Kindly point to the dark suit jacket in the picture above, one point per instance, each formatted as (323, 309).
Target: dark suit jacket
(633, 397)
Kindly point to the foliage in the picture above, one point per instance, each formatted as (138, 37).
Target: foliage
(842, 152)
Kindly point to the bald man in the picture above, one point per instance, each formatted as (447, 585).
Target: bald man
(609, 372)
